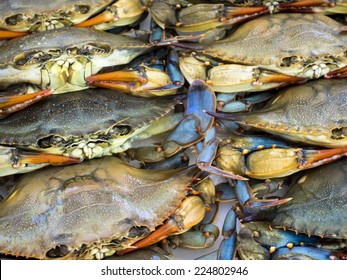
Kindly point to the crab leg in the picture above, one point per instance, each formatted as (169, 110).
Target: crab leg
(197, 239)
(191, 129)
(227, 102)
(10, 104)
(191, 212)
(249, 203)
(227, 248)
(4, 34)
(14, 161)
(207, 155)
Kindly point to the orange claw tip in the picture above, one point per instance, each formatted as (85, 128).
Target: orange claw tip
(168, 228)
(338, 73)
(117, 76)
(239, 11)
(4, 34)
(101, 18)
(318, 157)
(21, 101)
(307, 3)
(47, 158)
(280, 78)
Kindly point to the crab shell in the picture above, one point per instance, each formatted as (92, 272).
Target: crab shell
(60, 124)
(319, 199)
(63, 58)
(312, 113)
(32, 15)
(103, 205)
(275, 42)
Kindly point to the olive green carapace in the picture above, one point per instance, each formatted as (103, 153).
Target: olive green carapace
(81, 113)
(313, 113)
(24, 15)
(60, 40)
(276, 41)
(319, 200)
(96, 203)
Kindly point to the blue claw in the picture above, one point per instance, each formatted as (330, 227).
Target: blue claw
(227, 248)
(225, 192)
(156, 32)
(173, 68)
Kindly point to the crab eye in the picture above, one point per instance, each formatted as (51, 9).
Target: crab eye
(339, 133)
(138, 231)
(49, 141)
(120, 130)
(82, 9)
(58, 252)
(30, 58)
(288, 61)
(15, 19)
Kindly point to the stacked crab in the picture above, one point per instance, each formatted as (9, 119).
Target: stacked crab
(71, 94)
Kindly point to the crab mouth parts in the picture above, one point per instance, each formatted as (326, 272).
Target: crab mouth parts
(101, 249)
(66, 74)
(50, 24)
(317, 70)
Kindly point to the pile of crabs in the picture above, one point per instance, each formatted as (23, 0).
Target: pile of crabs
(256, 89)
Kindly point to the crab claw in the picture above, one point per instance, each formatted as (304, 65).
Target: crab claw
(10, 104)
(191, 212)
(15, 161)
(4, 34)
(123, 12)
(313, 158)
(243, 11)
(339, 73)
(99, 19)
(306, 6)
(146, 82)
(282, 79)
(32, 158)
(109, 80)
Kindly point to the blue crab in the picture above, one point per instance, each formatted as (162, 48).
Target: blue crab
(313, 220)
(268, 52)
(94, 209)
(210, 20)
(64, 60)
(19, 18)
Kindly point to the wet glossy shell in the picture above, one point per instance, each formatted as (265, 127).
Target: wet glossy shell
(89, 203)
(61, 39)
(313, 113)
(21, 15)
(78, 114)
(319, 202)
(274, 40)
